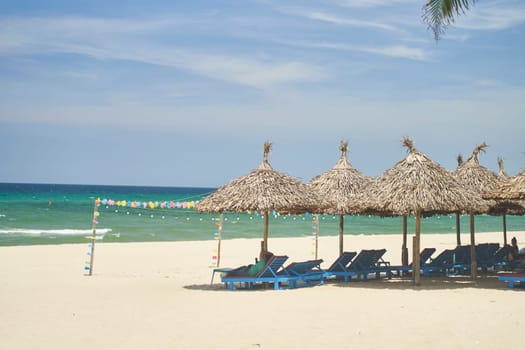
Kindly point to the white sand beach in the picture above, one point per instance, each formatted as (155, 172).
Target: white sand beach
(158, 296)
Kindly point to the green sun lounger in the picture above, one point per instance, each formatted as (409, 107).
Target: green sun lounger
(271, 273)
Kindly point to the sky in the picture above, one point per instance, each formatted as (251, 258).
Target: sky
(185, 93)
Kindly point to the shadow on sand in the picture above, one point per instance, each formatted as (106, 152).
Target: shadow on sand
(485, 281)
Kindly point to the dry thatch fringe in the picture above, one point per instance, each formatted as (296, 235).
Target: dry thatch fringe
(511, 189)
(475, 176)
(460, 159)
(408, 144)
(263, 189)
(340, 185)
(502, 173)
(417, 183)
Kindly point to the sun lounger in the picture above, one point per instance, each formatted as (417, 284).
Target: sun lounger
(512, 278)
(485, 255)
(441, 264)
(461, 259)
(369, 262)
(501, 259)
(269, 274)
(309, 272)
(340, 267)
(425, 254)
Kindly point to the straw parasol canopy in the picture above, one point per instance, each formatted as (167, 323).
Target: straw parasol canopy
(263, 189)
(511, 189)
(474, 175)
(340, 187)
(502, 174)
(510, 199)
(419, 186)
(478, 179)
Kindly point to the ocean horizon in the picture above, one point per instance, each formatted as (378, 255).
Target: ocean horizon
(33, 214)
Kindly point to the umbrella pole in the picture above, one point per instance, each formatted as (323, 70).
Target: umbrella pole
(473, 262)
(504, 228)
(416, 262)
(266, 231)
(404, 249)
(220, 239)
(315, 227)
(458, 229)
(341, 233)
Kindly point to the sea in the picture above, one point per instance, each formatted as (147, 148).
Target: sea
(36, 214)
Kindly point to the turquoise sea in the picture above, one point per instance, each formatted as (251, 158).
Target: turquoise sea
(55, 214)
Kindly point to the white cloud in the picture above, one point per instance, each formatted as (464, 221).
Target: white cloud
(375, 3)
(327, 17)
(107, 39)
(399, 51)
(491, 18)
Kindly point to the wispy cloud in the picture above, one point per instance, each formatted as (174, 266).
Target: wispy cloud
(375, 3)
(332, 18)
(109, 39)
(399, 51)
(490, 17)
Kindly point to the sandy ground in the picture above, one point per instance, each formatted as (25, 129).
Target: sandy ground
(158, 296)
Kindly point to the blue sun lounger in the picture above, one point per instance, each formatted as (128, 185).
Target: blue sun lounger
(340, 267)
(309, 272)
(369, 262)
(442, 264)
(461, 259)
(425, 254)
(512, 278)
(271, 273)
(485, 255)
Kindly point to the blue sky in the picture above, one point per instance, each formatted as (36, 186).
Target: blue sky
(184, 93)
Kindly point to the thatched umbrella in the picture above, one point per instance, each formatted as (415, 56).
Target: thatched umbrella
(263, 189)
(478, 179)
(418, 186)
(340, 186)
(512, 189)
(510, 197)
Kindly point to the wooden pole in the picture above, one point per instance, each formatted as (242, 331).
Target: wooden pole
(316, 233)
(473, 262)
(93, 237)
(341, 233)
(404, 249)
(458, 229)
(416, 263)
(266, 215)
(504, 228)
(220, 239)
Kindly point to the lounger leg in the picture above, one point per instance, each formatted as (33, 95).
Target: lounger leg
(511, 284)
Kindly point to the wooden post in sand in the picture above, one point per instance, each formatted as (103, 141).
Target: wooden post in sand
(458, 229)
(315, 234)
(404, 249)
(218, 237)
(473, 262)
(416, 263)
(93, 238)
(266, 215)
